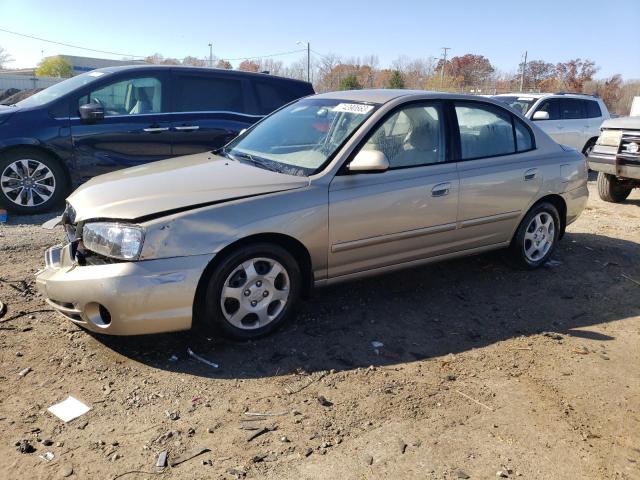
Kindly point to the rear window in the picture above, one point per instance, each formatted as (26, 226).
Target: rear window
(571, 108)
(205, 94)
(273, 96)
(593, 109)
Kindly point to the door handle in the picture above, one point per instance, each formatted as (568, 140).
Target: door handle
(187, 128)
(156, 129)
(441, 190)
(530, 174)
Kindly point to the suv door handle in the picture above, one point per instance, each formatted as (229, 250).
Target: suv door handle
(187, 128)
(441, 190)
(156, 129)
(530, 174)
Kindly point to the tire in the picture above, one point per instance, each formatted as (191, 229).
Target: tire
(45, 181)
(610, 190)
(588, 147)
(246, 304)
(536, 239)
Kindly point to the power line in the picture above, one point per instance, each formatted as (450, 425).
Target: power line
(267, 56)
(70, 45)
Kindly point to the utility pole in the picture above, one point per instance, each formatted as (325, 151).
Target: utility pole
(211, 55)
(308, 58)
(444, 64)
(524, 67)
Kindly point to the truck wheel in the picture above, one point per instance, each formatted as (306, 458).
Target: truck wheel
(610, 190)
(31, 181)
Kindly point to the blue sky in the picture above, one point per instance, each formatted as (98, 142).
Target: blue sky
(604, 31)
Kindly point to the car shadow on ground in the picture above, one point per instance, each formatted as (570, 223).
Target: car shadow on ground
(443, 308)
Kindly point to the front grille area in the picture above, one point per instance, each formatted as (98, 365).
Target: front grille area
(625, 156)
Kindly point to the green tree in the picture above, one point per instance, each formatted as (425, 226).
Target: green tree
(54, 67)
(350, 82)
(396, 80)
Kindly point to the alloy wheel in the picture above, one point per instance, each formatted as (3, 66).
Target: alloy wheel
(27, 182)
(255, 293)
(539, 236)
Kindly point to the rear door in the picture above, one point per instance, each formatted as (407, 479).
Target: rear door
(574, 122)
(134, 130)
(209, 110)
(499, 173)
(405, 213)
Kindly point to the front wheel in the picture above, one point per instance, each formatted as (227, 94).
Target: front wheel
(251, 292)
(536, 237)
(610, 189)
(31, 181)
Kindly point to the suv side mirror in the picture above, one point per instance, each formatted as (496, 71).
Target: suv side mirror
(539, 115)
(372, 161)
(91, 112)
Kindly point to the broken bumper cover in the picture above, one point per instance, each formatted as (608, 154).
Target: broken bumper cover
(124, 298)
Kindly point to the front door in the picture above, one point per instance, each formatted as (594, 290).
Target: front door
(134, 129)
(405, 213)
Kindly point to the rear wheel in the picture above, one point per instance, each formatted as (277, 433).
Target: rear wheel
(31, 181)
(610, 189)
(536, 237)
(251, 292)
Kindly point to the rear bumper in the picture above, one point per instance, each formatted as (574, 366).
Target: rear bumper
(575, 200)
(127, 298)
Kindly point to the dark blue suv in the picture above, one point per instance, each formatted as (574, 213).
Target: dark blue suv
(119, 117)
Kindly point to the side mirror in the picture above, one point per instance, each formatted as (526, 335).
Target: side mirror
(91, 112)
(373, 161)
(539, 115)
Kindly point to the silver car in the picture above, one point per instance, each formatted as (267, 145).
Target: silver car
(329, 188)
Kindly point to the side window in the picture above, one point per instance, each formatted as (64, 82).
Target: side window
(593, 109)
(194, 93)
(571, 109)
(524, 140)
(552, 107)
(411, 137)
(485, 131)
(272, 97)
(133, 96)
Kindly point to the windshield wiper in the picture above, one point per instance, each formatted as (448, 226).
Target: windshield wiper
(251, 159)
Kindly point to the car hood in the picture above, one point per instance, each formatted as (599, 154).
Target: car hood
(175, 184)
(625, 123)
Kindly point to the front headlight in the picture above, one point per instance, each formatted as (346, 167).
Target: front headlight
(113, 240)
(610, 138)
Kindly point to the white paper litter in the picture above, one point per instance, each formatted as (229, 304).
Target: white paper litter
(69, 409)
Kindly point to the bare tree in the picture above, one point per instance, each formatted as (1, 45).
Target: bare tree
(4, 57)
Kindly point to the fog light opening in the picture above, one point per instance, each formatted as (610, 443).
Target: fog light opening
(105, 315)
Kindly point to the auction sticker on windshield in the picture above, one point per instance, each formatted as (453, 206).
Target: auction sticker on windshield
(356, 108)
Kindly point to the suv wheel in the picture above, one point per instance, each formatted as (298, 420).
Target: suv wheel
(588, 147)
(610, 189)
(31, 181)
(536, 237)
(251, 292)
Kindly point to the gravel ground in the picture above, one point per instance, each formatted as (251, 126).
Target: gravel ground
(484, 371)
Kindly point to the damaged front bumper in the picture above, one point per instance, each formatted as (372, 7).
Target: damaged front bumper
(122, 298)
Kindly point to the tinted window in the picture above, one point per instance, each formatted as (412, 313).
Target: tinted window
(571, 108)
(411, 137)
(552, 107)
(271, 97)
(593, 109)
(133, 96)
(206, 94)
(485, 131)
(524, 140)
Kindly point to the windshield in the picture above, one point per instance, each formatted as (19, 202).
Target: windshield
(521, 104)
(300, 138)
(59, 89)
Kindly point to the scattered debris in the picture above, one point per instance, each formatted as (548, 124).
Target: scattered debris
(47, 442)
(474, 400)
(188, 455)
(552, 263)
(201, 359)
(502, 474)
(629, 278)
(3, 309)
(462, 475)
(162, 459)
(402, 445)
(308, 452)
(256, 414)
(24, 372)
(262, 431)
(69, 409)
(368, 460)
(323, 401)
(172, 415)
(24, 446)
(604, 356)
(582, 350)
(553, 335)
(66, 470)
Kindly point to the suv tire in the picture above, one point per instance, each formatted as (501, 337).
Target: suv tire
(610, 190)
(31, 181)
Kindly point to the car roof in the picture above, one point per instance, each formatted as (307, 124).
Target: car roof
(545, 95)
(142, 68)
(381, 96)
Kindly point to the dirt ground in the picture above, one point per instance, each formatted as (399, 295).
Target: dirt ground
(484, 369)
